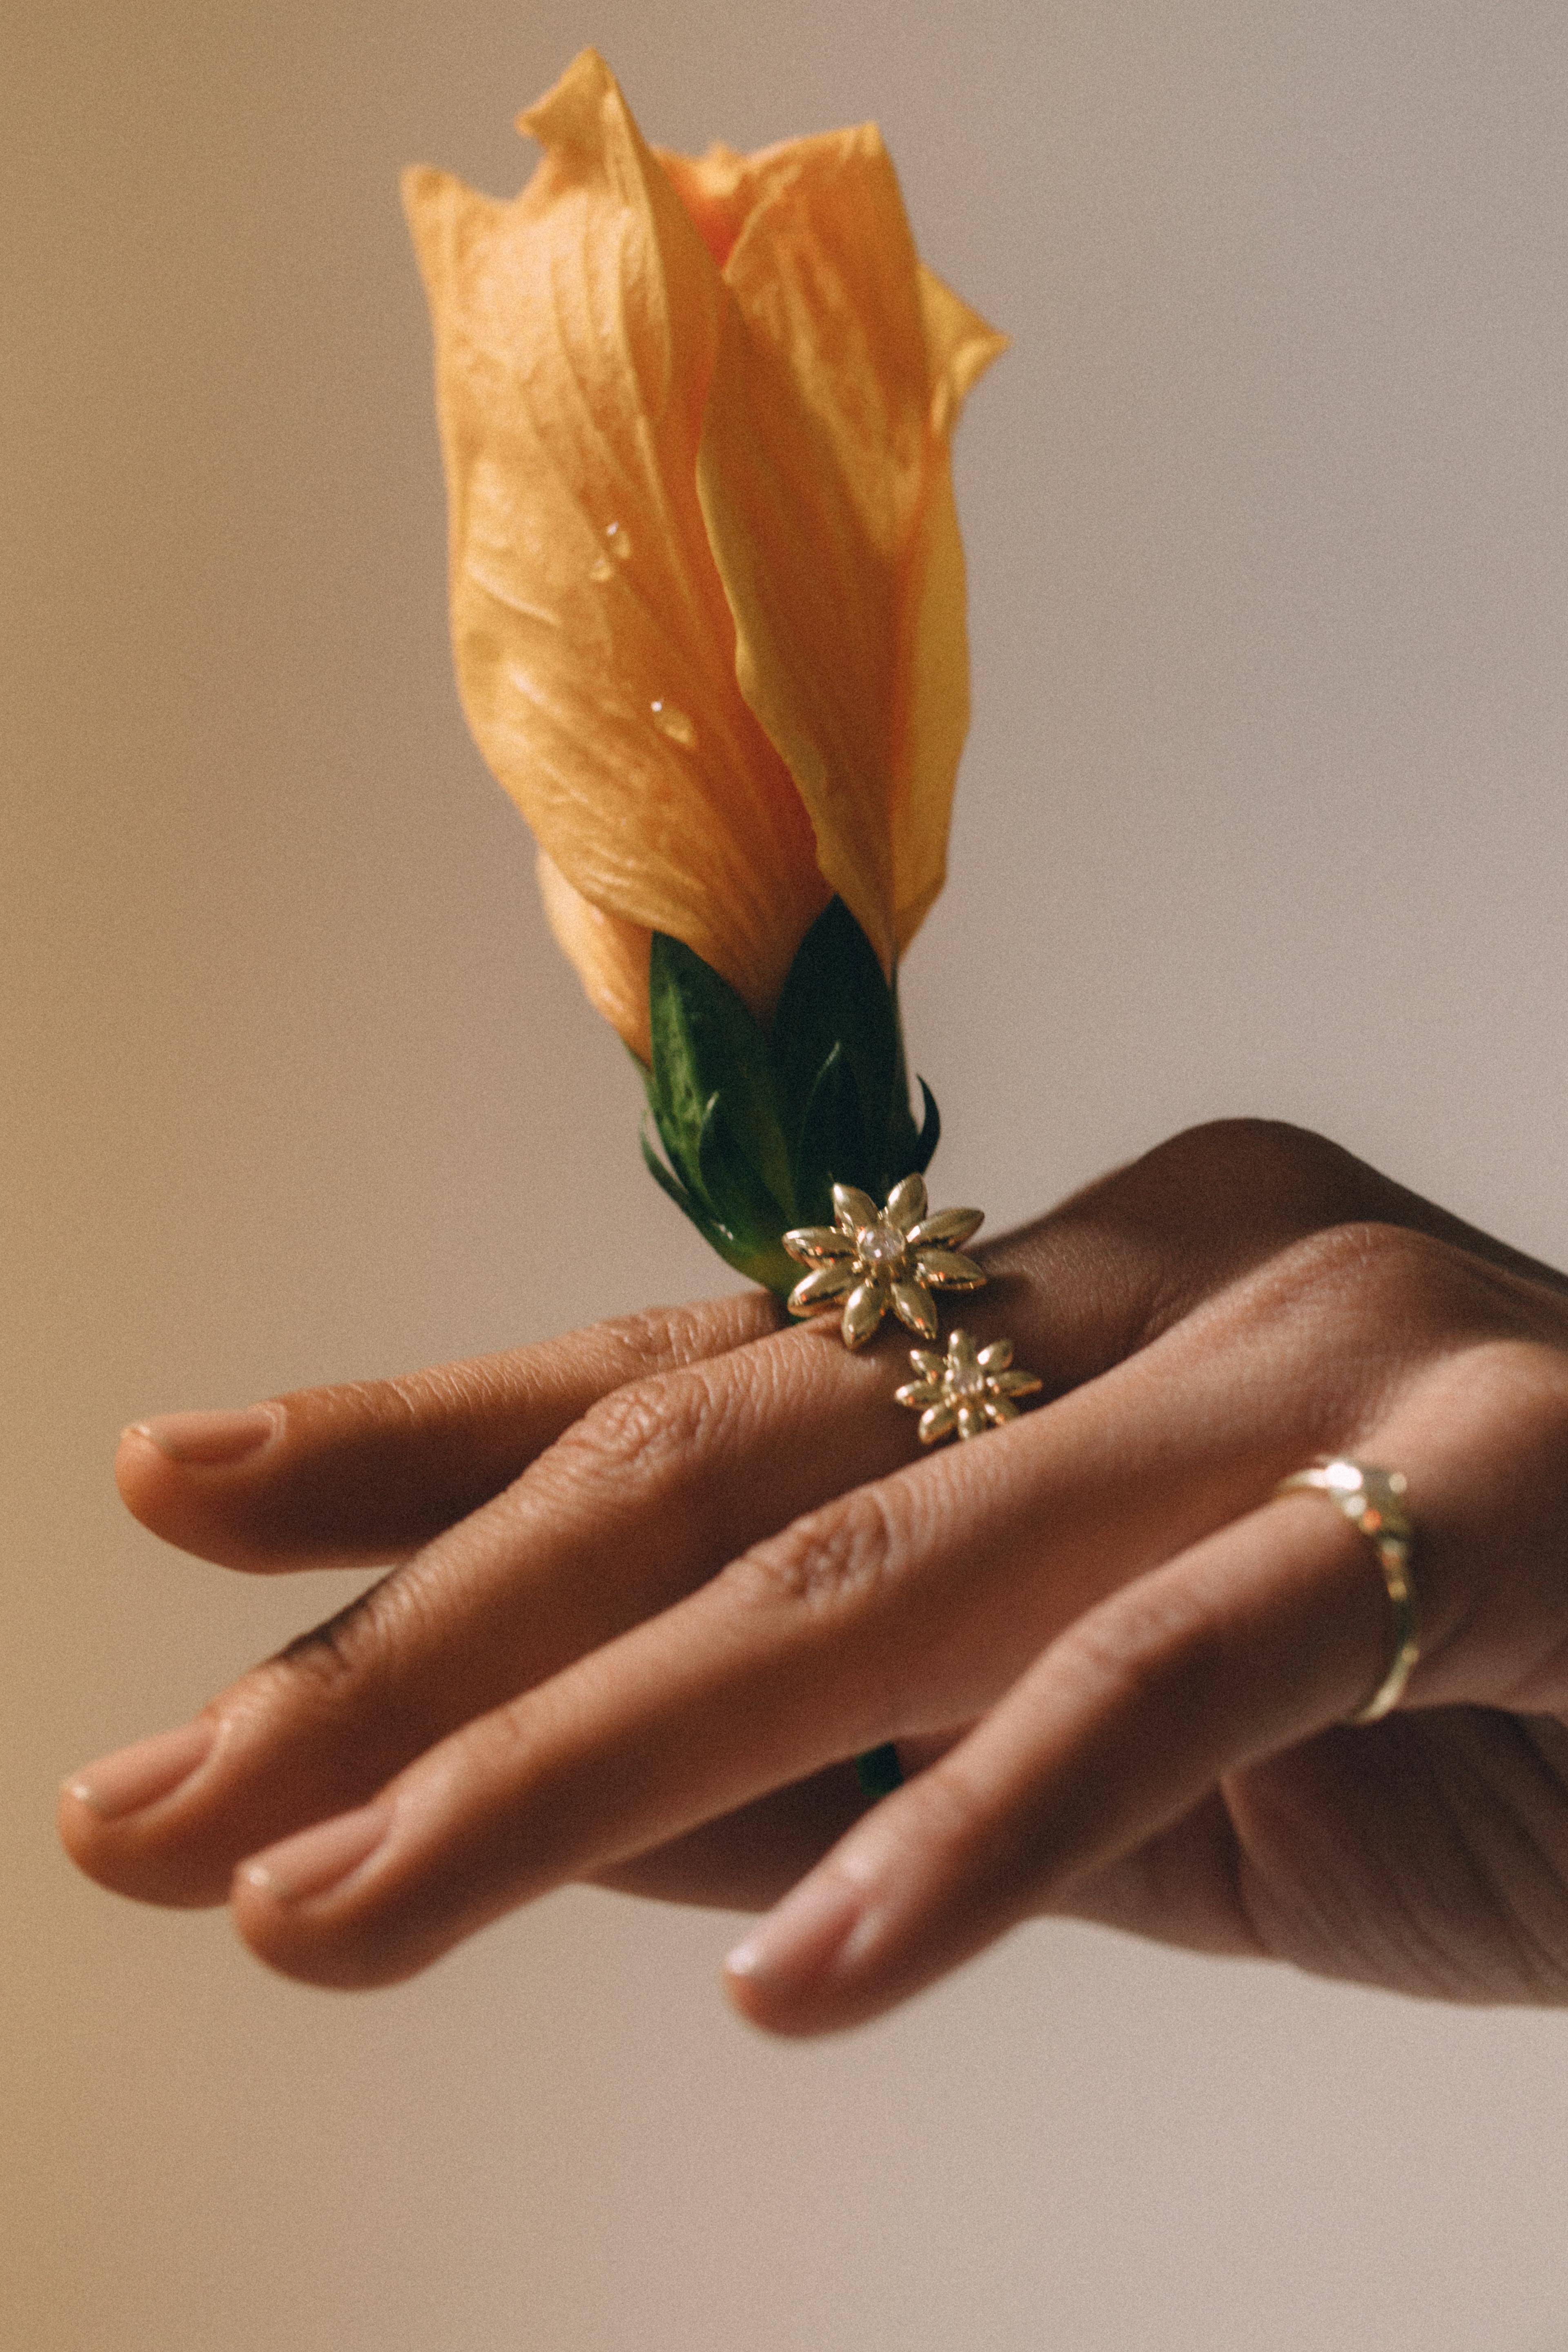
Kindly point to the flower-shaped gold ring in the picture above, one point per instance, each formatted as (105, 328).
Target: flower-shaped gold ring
(876, 1258)
(967, 1390)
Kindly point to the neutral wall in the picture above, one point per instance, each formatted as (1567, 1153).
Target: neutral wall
(1263, 810)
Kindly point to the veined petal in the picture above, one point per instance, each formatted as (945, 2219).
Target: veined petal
(960, 346)
(576, 330)
(720, 189)
(812, 474)
(826, 482)
(611, 955)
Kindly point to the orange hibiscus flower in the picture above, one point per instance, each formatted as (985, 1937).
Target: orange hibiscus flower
(707, 586)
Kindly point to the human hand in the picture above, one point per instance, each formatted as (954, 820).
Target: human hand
(665, 1576)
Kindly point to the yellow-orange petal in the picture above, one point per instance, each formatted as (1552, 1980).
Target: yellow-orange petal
(719, 190)
(824, 477)
(959, 347)
(576, 329)
(611, 955)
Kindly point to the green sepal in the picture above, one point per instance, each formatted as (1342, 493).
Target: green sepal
(831, 1147)
(833, 996)
(757, 1127)
(744, 1211)
(757, 1257)
(929, 1137)
(707, 1043)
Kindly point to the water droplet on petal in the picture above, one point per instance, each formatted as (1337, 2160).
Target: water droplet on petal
(673, 721)
(619, 539)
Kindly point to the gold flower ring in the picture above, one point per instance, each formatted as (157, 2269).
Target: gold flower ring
(1373, 1501)
(876, 1258)
(967, 1390)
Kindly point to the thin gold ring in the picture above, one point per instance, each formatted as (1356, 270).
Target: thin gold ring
(1372, 1501)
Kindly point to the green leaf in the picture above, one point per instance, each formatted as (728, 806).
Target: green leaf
(835, 996)
(706, 1043)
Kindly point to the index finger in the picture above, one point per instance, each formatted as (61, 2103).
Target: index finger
(363, 1473)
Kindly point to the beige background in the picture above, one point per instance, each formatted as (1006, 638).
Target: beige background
(1263, 810)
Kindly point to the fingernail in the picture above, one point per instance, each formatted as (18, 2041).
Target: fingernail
(134, 1777)
(320, 1858)
(796, 1943)
(210, 1440)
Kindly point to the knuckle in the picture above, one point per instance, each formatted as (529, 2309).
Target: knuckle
(831, 1557)
(660, 1431)
(1397, 1278)
(338, 1653)
(652, 1339)
(1511, 1397)
(1264, 1160)
(1117, 1657)
(655, 1340)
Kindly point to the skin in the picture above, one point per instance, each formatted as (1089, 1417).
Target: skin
(659, 1579)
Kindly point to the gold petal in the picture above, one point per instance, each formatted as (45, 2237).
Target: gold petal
(938, 1423)
(918, 1392)
(576, 330)
(915, 1307)
(971, 1421)
(906, 1203)
(863, 1310)
(995, 1358)
(1017, 1383)
(954, 1227)
(854, 1208)
(813, 1244)
(929, 1367)
(998, 1409)
(962, 1360)
(821, 1288)
(949, 1269)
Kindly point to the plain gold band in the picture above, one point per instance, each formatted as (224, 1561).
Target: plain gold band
(1371, 1500)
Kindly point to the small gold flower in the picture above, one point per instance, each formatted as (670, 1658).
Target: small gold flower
(964, 1390)
(887, 1257)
